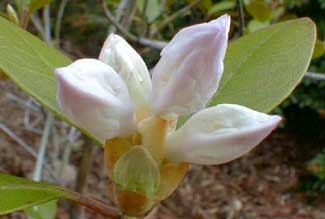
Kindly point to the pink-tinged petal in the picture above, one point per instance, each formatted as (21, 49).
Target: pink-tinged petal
(117, 53)
(94, 97)
(189, 70)
(219, 134)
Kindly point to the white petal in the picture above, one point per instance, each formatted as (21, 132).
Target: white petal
(190, 68)
(219, 134)
(94, 97)
(117, 53)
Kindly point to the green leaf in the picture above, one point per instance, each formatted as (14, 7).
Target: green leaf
(33, 5)
(259, 10)
(30, 63)
(37, 4)
(255, 25)
(262, 68)
(222, 6)
(319, 49)
(4, 15)
(19, 193)
(43, 211)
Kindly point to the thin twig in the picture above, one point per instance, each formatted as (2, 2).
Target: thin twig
(315, 76)
(241, 17)
(144, 19)
(58, 22)
(120, 11)
(144, 41)
(28, 148)
(43, 145)
(22, 102)
(128, 16)
(47, 24)
(72, 137)
(174, 16)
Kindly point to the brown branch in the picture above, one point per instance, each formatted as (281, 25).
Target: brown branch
(90, 202)
(143, 41)
(98, 206)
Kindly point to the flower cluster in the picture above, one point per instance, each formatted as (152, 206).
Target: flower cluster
(115, 99)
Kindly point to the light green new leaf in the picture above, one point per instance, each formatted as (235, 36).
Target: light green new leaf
(30, 63)
(19, 193)
(262, 68)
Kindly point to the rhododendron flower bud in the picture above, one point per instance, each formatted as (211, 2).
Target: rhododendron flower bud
(219, 134)
(117, 53)
(146, 157)
(94, 97)
(190, 68)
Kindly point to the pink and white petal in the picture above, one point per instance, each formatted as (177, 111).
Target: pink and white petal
(219, 134)
(94, 97)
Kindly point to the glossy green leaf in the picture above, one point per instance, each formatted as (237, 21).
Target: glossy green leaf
(30, 63)
(262, 68)
(19, 193)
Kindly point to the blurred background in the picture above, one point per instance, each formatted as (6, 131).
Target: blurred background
(283, 178)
